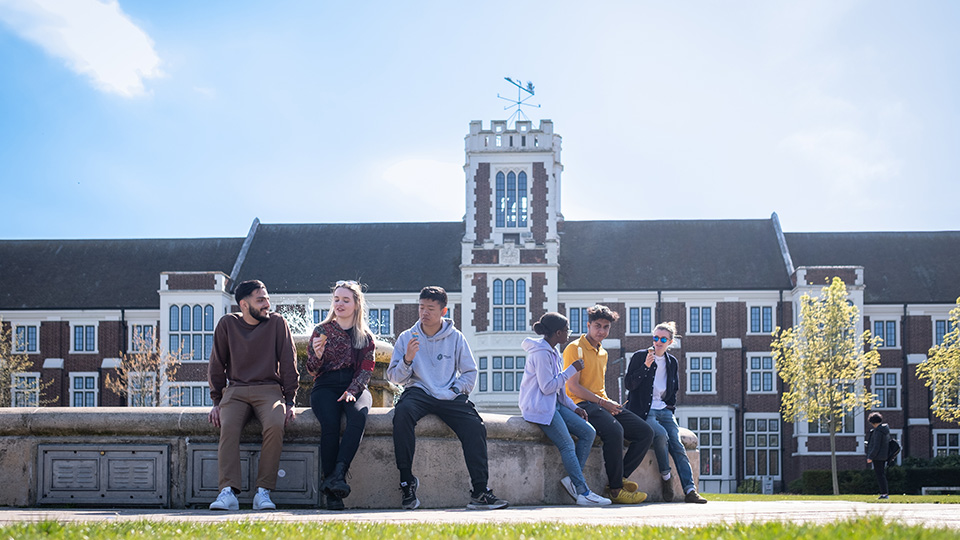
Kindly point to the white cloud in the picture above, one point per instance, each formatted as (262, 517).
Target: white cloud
(95, 38)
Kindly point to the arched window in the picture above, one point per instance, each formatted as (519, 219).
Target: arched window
(510, 305)
(522, 199)
(508, 297)
(185, 318)
(501, 202)
(174, 319)
(512, 201)
(497, 292)
(192, 341)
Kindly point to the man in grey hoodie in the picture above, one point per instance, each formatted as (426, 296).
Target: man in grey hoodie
(433, 362)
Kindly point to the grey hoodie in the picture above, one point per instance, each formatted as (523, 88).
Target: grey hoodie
(444, 360)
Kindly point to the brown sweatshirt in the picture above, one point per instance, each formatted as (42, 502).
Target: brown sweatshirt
(245, 355)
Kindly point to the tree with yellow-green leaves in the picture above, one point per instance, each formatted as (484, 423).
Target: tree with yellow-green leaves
(941, 371)
(823, 364)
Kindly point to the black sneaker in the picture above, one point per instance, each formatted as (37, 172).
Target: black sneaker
(409, 491)
(486, 500)
(334, 502)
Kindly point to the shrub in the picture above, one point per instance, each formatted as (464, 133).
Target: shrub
(750, 485)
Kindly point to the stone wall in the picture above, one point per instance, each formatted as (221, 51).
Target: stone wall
(39, 449)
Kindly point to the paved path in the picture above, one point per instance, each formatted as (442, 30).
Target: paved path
(676, 514)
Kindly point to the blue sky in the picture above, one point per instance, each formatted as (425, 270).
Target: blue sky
(188, 119)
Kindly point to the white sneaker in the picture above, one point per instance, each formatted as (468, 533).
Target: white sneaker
(261, 501)
(226, 500)
(568, 485)
(592, 499)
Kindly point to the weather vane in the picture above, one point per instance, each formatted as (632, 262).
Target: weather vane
(520, 101)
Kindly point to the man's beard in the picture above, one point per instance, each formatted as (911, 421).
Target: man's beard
(262, 316)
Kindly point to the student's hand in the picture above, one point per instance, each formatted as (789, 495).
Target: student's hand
(869, 460)
(347, 397)
(214, 416)
(648, 361)
(319, 344)
(581, 413)
(611, 407)
(412, 347)
(290, 416)
(578, 364)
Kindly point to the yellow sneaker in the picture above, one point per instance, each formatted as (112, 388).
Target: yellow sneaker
(628, 497)
(630, 485)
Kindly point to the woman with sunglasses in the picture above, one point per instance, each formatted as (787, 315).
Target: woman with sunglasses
(340, 357)
(544, 402)
(652, 381)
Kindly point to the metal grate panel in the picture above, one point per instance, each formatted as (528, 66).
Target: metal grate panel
(135, 475)
(297, 481)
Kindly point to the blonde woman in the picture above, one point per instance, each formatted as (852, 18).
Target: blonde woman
(340, 358)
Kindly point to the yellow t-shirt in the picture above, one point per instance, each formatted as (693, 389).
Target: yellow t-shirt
(593, 374)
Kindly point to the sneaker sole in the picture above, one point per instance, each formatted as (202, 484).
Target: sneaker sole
(226, 508)
(413, 506)
(472, 506)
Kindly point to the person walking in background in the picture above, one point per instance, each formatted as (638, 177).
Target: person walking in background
(340, 357)
(434, 364)
(652, 381)
(878, 445)
(614, 424)
(252, 369)
(544, 402)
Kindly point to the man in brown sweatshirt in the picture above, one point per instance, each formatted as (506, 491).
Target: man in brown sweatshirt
(253, 368)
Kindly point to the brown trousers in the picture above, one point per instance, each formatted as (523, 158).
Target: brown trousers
(238, 405)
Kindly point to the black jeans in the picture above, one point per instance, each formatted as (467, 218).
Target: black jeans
(327, 389)
(613, 430)
(462, 417)
(880, 469)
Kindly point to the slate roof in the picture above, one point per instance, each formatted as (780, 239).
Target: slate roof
(671, 255)
(898, 267)
(388, 257)
(102, 274)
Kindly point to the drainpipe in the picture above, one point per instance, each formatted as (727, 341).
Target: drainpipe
(904, 387)
(659, 302)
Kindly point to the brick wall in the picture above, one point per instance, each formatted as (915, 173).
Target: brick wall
(486, 256)
(191, 282)
(482, 197)
(533, 256)
(538, 204)
(404, 316)
(481, 302)
(823, 276)
(538, 297)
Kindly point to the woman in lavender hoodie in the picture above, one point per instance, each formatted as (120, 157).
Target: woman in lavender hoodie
(544, 402)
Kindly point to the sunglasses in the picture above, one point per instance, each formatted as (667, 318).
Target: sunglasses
(660, 339)
(341, 283)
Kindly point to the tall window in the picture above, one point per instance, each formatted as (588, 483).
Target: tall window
(83, 389)
(141, 390)
(946, 442)
(511, 193)
(25, 339)
(940, 329)
(709, 431)
(761, 319)
(26, 389)
(189, 395)
(141, 338)
(701, 320)
(191, 331)
(509, 305)
(761, 374)
(887, 331)
(761, 441)
(886, 386)
(84, 338)
(700, 374)
(640, 320)
(380, 322)
(578, 320)
(500, 374)
(319, 315)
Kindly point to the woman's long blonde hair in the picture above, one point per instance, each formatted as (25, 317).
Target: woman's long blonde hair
(362, 334)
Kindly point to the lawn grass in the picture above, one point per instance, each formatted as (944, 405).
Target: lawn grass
(874, 529)
(909, 499)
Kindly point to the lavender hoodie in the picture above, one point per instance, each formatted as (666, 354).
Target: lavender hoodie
(544, 382)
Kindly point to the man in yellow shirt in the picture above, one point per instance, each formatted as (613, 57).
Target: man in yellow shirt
(613, 423)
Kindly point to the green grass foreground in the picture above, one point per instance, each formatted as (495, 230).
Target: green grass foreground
(874, 529)
(899, 499)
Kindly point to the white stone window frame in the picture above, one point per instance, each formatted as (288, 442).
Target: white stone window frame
(761, 306)
(769, 417)
(507, 168)
(25, 324)
(80, 323)
(640, 331)
(898, 387)
(177, 349)
(727, 430)
(583, 321)
(132, 325)
(130, 394)
(204, 387)
(525, 305)
(33, 401)
(946, 326)
(950, 436)
(886, 321)
(713, 318)
(713, 371)
(897, 434)
(750, 371)
(486, 372)
(95, 390)
(380, 310)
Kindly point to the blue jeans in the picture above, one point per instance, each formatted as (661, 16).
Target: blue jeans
(666, 438)
(574, 456)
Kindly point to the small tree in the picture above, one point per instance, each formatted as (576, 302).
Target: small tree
(941, 371)
(143, 372)
(11, 362)
(823, 363)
